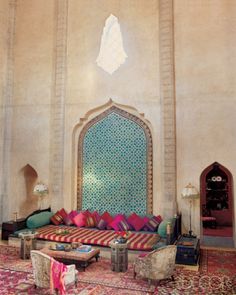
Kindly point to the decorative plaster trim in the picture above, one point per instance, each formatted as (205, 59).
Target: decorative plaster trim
(6, 121)
(167, 83)
(58, 105)
(148, 135)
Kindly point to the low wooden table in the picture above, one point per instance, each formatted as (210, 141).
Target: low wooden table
(80, 259)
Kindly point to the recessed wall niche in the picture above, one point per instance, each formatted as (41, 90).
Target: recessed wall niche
(29, 202)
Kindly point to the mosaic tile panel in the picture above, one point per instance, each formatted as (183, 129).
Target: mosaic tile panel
(115, 166)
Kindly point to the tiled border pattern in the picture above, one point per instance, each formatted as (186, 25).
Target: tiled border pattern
(149, 200)
(167, 79)
(58, 104)
(6, 120)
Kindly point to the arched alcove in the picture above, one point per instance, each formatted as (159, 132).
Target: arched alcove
(217, 199)
(29, 202)
(115, 163)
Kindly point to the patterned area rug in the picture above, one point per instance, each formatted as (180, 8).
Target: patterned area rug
(216, 276)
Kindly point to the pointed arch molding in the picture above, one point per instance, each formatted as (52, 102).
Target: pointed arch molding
(149, 153)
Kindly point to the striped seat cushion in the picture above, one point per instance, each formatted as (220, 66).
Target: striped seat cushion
(137, 240)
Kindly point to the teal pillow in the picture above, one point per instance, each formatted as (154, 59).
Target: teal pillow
(162, 228)
(39, 219)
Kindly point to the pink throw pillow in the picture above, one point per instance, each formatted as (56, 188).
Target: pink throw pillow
(80, 219)
(115, 221)
(68, 220)
(146, 220)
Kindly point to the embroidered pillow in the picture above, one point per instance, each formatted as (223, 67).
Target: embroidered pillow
(102, 224)
(136, 221)
(57, 218)
(80, 219)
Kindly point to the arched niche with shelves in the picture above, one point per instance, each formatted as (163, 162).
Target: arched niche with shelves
(216, 193)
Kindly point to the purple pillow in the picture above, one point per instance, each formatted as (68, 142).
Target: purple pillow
(102, 224)
(152, 224)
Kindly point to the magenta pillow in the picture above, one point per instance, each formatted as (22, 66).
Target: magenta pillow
(146, 220)
(115, 221)
(80, 219)
(68, 220)
(136, 221)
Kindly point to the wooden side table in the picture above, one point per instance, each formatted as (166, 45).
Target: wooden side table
(119, 256)
(9, 227)
(28, 243)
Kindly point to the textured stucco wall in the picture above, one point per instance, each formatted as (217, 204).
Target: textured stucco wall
(205, 91)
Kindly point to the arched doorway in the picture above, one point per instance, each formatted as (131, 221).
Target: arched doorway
(216, 205)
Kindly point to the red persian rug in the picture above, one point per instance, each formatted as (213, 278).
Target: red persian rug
(216, 276)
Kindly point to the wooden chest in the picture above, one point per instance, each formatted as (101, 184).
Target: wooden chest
(188, 250)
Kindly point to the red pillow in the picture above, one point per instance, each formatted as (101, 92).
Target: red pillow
(57, 218)
(80, 219)
(136, 221)
(158, 218)
(90, 221)
(115, 221)
(63, 213)
(96, 217)
(107, 217)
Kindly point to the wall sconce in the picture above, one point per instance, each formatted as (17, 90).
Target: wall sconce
(40, 190)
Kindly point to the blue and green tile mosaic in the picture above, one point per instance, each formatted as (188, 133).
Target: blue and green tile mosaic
(115, 166)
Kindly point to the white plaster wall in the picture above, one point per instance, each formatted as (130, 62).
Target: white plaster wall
(205, 92)
(33, 72)
(135, 83)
